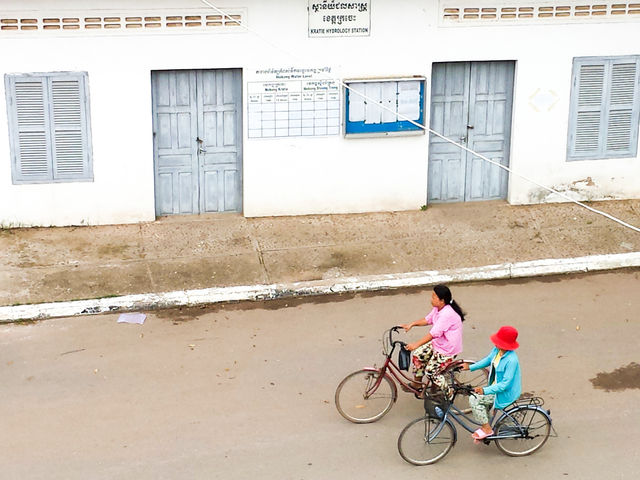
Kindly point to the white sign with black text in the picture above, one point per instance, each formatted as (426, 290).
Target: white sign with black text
(293, 108)
(336, 18)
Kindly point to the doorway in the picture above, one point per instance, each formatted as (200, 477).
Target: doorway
(471, 104)
(197, 141)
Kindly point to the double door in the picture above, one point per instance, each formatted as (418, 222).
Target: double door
(471, 104)
(197, 139)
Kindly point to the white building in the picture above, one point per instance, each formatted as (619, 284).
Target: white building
(120, 111)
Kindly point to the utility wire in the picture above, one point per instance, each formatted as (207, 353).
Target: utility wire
(423, 127)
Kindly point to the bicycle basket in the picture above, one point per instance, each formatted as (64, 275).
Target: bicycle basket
(435, 407)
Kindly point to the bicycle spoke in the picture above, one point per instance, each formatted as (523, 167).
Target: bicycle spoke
(361, 398)
(523, 431)
(425, 441)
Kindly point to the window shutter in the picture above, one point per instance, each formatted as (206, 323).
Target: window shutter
(604, 108)
(622, 98)
(70, 149)
(49, 127)
(29, 137)
(588, 102)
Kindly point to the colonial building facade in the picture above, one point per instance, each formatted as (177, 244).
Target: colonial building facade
(122, 111)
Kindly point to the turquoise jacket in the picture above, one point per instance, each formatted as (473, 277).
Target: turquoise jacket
(508, 385)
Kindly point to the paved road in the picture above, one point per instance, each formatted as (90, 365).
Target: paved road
(246, 391)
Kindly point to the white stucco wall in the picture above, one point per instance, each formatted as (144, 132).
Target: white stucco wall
(122, 190)
(539, 139)
(288, 176)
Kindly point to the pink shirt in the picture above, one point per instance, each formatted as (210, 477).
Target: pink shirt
(446, 330)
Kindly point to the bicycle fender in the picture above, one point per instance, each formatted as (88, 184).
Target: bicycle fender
(526, 407)
(394, 388)
(455, 432)
(441, 426)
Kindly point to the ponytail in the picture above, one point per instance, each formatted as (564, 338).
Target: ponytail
(457, 309)
(444, 294)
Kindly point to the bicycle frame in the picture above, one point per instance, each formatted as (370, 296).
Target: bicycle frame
(523, 430)
(461, 419)
(391, 370)
(390, 366)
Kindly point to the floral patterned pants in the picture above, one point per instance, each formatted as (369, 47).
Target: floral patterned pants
(480, 406)
(427, 361)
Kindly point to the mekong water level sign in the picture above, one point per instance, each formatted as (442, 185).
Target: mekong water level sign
(293, 108)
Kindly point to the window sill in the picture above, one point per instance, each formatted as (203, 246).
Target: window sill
(410, 133)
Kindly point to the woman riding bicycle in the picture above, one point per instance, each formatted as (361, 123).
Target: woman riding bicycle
(442, 343)
(504, 379)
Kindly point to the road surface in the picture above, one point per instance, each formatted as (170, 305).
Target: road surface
(246, 390)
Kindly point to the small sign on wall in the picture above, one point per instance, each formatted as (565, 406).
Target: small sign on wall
(335, 18)
(293, 108)
(293, 102)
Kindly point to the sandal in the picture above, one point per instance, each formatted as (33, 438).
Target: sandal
(480, 434)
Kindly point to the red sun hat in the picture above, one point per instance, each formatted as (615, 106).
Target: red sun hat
(505, 338)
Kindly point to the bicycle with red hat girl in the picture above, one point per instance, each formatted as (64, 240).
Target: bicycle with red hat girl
(521, 429)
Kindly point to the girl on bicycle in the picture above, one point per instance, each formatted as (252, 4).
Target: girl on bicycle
(505, 384)
(443, 342)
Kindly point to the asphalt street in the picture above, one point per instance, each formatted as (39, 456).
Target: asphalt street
(245, 390)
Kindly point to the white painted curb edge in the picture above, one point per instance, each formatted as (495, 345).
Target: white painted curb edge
(318, 287)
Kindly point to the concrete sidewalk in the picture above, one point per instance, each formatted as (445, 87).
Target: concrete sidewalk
(232, 257)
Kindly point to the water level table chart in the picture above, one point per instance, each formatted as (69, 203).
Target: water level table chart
(293, 108)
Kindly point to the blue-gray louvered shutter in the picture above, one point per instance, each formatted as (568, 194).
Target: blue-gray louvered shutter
(69, 128)
(604, 108)
(587, 103)
(49, 127)
(29, 124)
(623, 101)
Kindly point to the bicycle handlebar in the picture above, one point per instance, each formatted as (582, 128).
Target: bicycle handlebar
(465, 389)
(391, 331)
(392, 342)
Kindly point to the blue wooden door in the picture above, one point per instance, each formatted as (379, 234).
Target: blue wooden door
(449, 114)
(176, 155)
(219, 139)
(471, 103)
(197, 141)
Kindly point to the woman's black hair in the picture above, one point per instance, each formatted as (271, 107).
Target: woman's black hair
(444, 294)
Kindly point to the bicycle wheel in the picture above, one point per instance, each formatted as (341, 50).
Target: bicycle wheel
(426, 440)
(527, 428)
(365, 396)
(477, 378)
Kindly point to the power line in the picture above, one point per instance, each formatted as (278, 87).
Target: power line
(423, 127)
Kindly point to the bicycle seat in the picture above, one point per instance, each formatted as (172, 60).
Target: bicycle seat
(446, 364)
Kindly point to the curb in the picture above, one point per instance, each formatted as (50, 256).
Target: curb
(204, 296)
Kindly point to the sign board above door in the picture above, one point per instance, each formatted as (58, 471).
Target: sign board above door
(335, 18)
